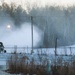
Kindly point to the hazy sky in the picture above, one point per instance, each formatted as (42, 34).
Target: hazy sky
(64, 3)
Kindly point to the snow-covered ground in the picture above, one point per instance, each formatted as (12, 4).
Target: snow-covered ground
(61, 50)
(4, 73)
(44, 53)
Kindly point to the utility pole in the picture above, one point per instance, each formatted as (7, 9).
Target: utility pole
(55, 46)
(65, 52)
(55, 53)
(32, 32)
(70, 51)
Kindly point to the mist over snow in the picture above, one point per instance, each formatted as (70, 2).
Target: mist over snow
(51, 18)
(21, 36)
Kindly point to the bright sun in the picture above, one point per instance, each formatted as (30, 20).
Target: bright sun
(8, 26)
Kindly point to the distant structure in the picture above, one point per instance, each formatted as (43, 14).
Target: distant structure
(1, 47)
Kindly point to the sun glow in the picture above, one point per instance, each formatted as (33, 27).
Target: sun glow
(8, 26)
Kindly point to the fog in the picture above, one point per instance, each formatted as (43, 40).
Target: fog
(20, 36)
(50, 22)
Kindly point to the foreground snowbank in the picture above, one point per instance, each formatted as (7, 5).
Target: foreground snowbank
(4, 73)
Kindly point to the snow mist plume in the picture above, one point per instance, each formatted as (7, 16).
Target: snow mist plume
(21, 37)
(51, 19)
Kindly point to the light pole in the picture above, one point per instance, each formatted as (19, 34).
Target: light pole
(55, 52)
(32, 32)
(56, 46)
